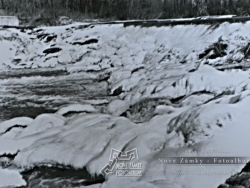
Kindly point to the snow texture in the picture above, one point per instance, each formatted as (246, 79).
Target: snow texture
(10, 178)
(204, 107)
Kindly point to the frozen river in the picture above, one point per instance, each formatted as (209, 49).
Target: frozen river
(33, 92)
(175, 95)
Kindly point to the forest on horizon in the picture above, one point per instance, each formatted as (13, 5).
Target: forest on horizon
(123, 9)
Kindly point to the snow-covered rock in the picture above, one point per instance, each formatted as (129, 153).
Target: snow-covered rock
(76, 108)
(42, 123)
(64, 20)
(117, 107)
(15, 122)
(162, 109)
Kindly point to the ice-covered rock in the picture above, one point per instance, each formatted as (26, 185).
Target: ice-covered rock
(42, 123)
(64, 20)
(15, 122)
(162, 109)
(117, 107)
(52, 50)
(87, 108)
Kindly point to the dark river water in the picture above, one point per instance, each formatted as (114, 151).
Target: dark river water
(33, 92)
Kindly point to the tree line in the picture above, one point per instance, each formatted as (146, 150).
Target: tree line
(123, 9)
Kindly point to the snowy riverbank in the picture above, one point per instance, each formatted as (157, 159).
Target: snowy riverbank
(164, 91)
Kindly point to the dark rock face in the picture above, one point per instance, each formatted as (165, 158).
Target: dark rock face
(16, 61)
(239, 180)
(218, 49)
(237, 59)
(81, 26)
(42, 36)
(246, 51)
(8, 155)
(15, 126)
(52, 50)
(242, 66)
(136, 69)
(223, 186)
(118, 91)
(50, 38)
(143, 110)
(57, 176)
(90, 41)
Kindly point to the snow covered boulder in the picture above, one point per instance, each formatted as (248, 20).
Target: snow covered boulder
(87, 108)
(217, 49)
(200, 123)
(63, 20)
(117, 107)
(163, 109)
(15, 122)
(52, 50)
(42, 123)
(85, 42)
(85, 139)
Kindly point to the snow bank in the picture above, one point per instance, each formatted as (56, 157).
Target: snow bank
(10, 178)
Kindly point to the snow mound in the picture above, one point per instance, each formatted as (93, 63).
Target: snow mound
(117, 107)
(43, 123)
(11, 178)
(76, 108)
(21, 121)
